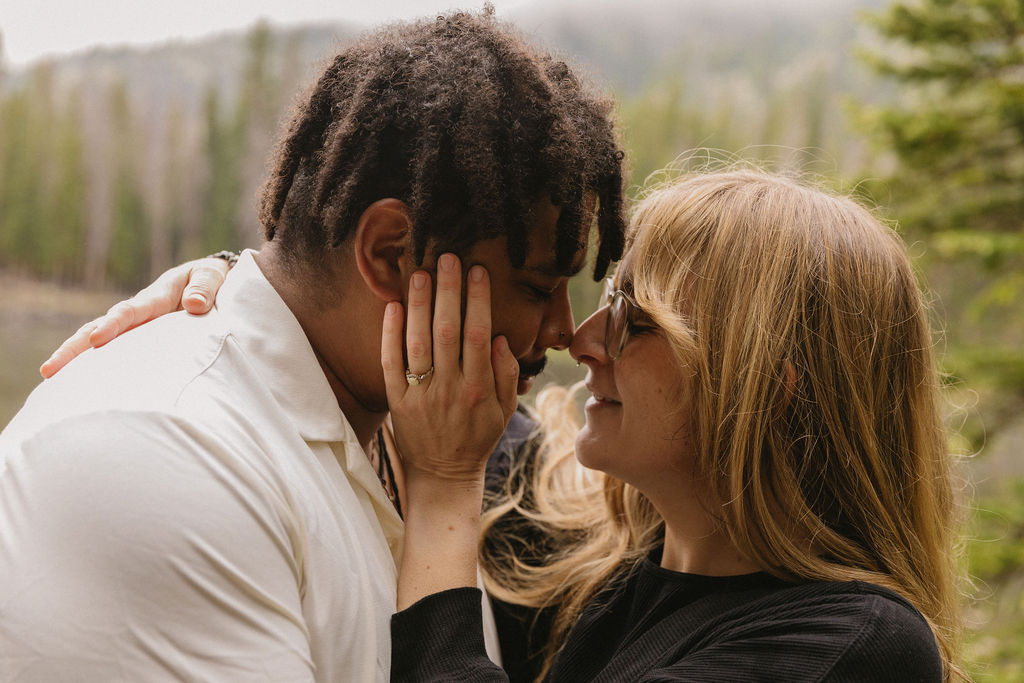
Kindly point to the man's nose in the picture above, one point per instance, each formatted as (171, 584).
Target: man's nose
(558, 326)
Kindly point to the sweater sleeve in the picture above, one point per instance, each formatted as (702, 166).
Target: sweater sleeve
(873, 636)
(440, 638)
(895, 645)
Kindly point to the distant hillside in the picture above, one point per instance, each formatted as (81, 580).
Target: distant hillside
(626, 45)
(632, 43)
(182, 71)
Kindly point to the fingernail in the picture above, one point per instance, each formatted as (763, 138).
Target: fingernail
(476, 273)
(447, 262)
(198, 297)
(391, 310)
(418, 280)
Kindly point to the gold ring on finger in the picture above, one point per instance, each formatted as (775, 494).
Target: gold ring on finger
(413, 379)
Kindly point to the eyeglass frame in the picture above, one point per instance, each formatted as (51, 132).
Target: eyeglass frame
(620, 305)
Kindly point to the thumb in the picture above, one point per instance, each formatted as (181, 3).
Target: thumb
(203, 283)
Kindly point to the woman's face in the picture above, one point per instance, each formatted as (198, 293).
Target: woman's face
(637, 420)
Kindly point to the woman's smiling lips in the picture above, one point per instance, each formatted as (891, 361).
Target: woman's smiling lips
(599, 399)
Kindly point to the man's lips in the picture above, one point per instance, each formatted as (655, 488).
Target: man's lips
(532, 368)
(528, 370)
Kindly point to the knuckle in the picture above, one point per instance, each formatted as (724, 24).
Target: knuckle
(119, 308)
(447, 334)
(204, 275)
(475, 394)
(419, 298)
(218, 266)
(197, 282)
(417, 349)
(478, 336)
(443, 395)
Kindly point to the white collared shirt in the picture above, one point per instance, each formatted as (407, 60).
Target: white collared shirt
(189, 503)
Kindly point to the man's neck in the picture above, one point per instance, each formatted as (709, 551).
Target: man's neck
(332, 333)
(364, 421)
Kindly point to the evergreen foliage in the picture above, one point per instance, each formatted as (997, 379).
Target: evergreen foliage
(956, 133)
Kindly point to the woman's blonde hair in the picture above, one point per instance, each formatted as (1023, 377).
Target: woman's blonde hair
(815, 407)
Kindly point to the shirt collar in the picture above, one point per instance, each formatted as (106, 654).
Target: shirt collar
(275, 343)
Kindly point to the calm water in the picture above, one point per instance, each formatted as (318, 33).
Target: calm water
(35, 317)
(27, 339)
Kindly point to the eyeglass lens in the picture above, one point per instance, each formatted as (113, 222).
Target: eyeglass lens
(616, 330)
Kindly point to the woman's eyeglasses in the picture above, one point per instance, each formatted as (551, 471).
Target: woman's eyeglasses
(620, 308)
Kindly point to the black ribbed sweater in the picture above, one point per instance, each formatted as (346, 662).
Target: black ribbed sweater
(659, 625)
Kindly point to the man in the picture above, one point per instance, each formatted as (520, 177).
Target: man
(195, 500)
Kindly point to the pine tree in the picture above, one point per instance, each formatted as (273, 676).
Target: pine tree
(26, 118)
(255, 124)
(224, 186)
(957, 136)
(65, 218)
(128, 264)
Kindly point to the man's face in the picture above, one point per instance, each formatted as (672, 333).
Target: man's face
(529, 305)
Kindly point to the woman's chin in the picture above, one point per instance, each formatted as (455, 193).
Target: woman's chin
(588, 448)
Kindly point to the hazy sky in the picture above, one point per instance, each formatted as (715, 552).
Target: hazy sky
(33, 28)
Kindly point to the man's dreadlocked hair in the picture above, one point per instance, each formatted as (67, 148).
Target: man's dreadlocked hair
(462, 121)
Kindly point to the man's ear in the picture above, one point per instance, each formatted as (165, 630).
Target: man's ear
(380, 242)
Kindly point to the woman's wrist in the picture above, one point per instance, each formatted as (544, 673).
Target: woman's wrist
(441, 536)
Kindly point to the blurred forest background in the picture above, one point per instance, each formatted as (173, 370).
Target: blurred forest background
(117, 163)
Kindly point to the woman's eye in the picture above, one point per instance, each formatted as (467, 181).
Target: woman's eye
(637, 327)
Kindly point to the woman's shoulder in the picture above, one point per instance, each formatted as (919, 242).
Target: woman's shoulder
(763, 630)
(860, 631)
(863, 608)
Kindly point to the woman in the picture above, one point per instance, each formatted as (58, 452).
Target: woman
(768, 492)
(773, 497)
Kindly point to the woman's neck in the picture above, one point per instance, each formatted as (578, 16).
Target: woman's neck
(708, 555)
(696, 542)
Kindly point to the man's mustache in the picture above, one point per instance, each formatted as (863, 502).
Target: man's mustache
(532, 368)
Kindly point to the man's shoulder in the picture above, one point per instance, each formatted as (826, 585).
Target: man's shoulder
(135, 438)
(147, 369)
(146, 525)
(153, 461)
